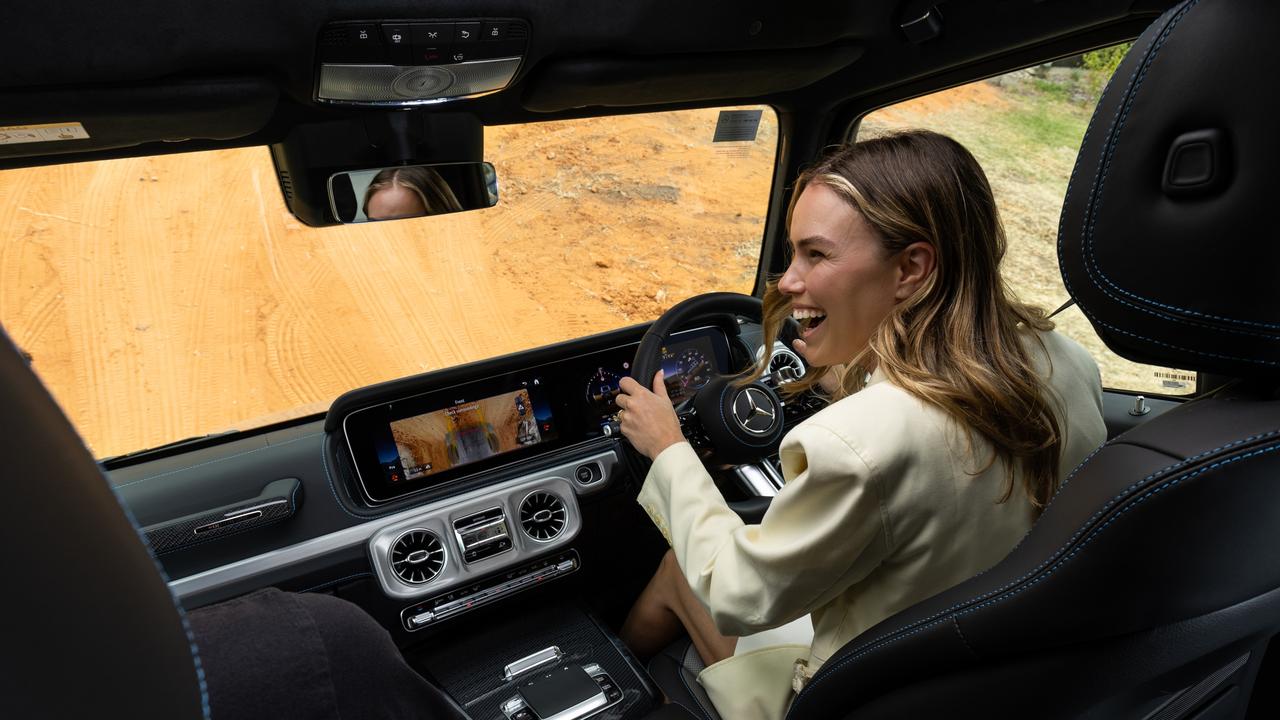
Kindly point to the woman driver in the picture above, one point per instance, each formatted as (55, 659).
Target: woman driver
(957, 413)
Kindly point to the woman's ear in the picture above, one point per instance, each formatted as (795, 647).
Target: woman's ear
(916, 262)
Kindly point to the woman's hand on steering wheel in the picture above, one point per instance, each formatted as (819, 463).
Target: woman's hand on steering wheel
(647, 418)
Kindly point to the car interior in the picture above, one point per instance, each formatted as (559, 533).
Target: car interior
(1149, 587)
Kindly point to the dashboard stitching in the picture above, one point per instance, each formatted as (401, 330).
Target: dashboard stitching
(217, 460)
(324, 461)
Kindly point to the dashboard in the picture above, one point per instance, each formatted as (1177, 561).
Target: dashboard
(426, 441)
(450, 491)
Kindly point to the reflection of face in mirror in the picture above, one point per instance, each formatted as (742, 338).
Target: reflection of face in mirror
(408, 192)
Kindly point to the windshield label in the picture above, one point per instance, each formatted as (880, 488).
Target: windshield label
(737, 125)
(49, 132)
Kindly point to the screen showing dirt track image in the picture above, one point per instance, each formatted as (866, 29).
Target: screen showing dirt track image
(465, 433)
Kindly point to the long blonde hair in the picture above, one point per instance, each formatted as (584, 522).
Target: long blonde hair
(957, 342)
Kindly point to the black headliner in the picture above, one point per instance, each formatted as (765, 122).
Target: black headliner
(230, 73)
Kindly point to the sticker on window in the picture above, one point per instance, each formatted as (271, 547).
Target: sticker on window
(50, 132)
(1174, 380)
(737, 125)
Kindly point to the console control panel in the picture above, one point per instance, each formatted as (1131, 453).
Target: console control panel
(604, 695)
(492, 589)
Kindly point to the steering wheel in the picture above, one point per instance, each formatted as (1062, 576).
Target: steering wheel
(735, 424)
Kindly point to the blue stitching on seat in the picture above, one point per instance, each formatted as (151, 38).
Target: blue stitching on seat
(335, 582)
(892, 638)
(1271, 363)
(217, 460)
(1053, 556)
(1095, 197)
(182, 613)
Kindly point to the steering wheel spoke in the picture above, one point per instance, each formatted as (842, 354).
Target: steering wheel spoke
(734, 423)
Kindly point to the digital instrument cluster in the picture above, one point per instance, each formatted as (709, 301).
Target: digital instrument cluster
(431, 439)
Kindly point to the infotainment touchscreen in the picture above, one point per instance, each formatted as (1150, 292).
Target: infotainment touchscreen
(465, 433)
(427, 442)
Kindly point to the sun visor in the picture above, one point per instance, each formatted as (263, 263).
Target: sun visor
(77, 120)
(564, 84)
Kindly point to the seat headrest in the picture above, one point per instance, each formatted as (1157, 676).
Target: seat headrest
(1168, 239)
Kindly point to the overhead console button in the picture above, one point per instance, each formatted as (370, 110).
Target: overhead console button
(493, 30)
(355, 43)
(466, 33)
(431, 42)
(398, 43)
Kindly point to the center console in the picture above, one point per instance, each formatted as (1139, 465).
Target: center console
(553, 661)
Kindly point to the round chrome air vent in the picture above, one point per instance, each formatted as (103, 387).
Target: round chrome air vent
(782, 357)
(542, 516)
(417, 556)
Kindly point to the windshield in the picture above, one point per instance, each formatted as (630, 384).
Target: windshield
(167, 297)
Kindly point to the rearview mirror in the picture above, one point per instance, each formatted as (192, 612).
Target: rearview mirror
(411, 191)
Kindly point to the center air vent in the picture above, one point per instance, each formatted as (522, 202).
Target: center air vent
(784, 358)
(417, 556)
(542, 516)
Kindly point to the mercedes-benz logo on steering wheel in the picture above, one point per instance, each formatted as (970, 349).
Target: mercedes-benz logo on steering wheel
(754, 411)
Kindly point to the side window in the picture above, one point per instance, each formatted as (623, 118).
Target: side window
(1025, 127)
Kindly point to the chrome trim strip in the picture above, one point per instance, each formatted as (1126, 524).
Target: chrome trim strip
(755, 480)
(532, 662)
(358, 535)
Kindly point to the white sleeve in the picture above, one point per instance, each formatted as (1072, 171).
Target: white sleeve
(823, 532)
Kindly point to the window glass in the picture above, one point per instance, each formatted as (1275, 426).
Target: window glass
(168, 297)
(1025, 128)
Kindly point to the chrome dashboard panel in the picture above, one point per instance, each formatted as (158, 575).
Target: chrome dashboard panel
(440, 520)
(561, 476)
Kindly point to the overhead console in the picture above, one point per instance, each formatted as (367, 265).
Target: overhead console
(395, 63)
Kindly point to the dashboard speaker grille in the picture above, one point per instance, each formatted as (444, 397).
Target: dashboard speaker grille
(542, 516)
(417, 556)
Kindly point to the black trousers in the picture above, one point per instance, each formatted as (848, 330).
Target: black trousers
(273, 655)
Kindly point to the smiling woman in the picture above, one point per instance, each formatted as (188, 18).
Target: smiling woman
(959, 415)
(175, 296)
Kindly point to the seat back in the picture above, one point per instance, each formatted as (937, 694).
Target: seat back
(89, 626)
(1150, 586)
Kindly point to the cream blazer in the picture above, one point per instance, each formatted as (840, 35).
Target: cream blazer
(884, 505)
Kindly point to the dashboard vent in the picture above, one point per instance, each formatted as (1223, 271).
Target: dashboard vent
(542, 516)
(784, 358)
(417, 556)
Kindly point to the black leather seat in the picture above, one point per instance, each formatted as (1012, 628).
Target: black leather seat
(90, 628)
(1150, 587)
